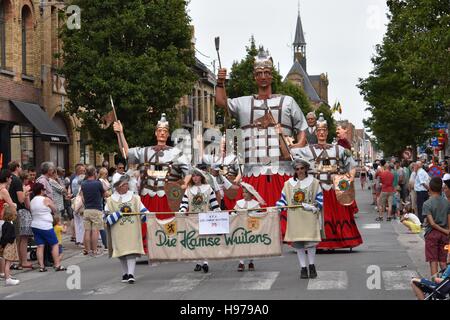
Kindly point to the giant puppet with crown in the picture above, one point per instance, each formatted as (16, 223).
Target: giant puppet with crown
(164, 171)
(334, 167)
(269, 122)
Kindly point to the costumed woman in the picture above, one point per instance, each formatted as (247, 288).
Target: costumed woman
(342, 134)
(304, 224)
(248, 202)
(199, 197)
(124, 231)
(334, 168)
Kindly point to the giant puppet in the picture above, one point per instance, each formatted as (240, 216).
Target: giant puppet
(267, 121)
(333, 166)
(163, 167)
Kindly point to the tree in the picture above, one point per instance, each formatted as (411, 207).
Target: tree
(407, 91)
(138, 51)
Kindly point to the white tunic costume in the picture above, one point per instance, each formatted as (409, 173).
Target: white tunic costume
(261, 145)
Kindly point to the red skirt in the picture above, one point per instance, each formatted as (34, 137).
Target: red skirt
(340, 226)
(154, 204)
(270, 187)
(231, 203)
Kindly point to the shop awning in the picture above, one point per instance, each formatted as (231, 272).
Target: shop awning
(40, 120)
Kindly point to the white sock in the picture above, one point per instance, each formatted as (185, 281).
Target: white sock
(131, 263)
(241, 261)
(123, 262)
(301, 255)
(205, 262)
(311, 255)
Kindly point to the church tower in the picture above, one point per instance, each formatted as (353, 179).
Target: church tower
(299, 43)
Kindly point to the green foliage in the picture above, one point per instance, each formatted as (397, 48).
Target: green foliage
(408, 89)
(138, 51)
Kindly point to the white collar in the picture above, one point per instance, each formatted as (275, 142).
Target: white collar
(248, 204)
(303, 183)
(196, 189)
(122, 197)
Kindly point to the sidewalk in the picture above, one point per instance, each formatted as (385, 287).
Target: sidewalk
(70, 249)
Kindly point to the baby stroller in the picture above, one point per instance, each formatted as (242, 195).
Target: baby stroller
(440, 292)
(32, 249)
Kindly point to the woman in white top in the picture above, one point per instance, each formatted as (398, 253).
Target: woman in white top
(103, 178)
(42, 210)
(248, 202)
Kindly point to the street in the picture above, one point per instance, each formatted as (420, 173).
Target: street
(379, 269)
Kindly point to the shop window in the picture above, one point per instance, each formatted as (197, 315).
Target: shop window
(22, 145)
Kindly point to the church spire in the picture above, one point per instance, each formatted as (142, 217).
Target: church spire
(299, 43)
(299, 39)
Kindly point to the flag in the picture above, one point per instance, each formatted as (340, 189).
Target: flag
(108, 119)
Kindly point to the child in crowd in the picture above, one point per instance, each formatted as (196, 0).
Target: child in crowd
(410, 220)
(59, 229)
(396, 205)
(437, 211)
(8, 244)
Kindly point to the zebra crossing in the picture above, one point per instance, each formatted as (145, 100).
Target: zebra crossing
(264, 281)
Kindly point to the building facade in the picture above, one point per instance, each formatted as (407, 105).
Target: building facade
(33, 125)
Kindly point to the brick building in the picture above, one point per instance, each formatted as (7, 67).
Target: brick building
(33, 126)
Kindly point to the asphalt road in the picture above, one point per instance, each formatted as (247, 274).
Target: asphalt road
(379, 269)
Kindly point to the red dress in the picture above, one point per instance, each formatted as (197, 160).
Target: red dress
(154, 204)
(339, 223)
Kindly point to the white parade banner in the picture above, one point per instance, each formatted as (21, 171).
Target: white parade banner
(249, 235)
(213, 223)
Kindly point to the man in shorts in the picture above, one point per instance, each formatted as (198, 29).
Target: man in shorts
(93, 194)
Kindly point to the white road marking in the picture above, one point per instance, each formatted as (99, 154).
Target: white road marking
(371, 226)
(183, 282)
(256, 280)
(107, 289)
(14, 295)
(398, 280)
(327, 280)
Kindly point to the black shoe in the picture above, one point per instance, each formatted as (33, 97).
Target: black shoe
(304, 273)
(197, 267)
(131, 279)
(125, 278)
(241, 267)
(312, 271)
(205, 268)
(251, 266)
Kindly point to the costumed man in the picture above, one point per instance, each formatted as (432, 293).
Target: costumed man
(310, 132)
(248, 202)
(162, 184)
(232, 173)
(305, 223)
(124, 231)
(334, 168)
(199, 197)
(267, 121)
